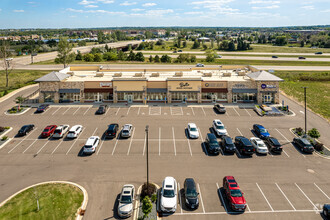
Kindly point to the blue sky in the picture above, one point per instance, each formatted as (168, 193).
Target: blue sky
(141, 13)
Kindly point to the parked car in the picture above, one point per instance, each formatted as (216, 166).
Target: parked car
(112, 130)
(48, 131)
(259, 145)
(217, 56)
(168, 195)
(318, 53)
(303, 144)
(60, 131)
(260, 131)
(302, 58)
(126, 132)
(227, 144)
(125, 205)
(25, 129)
(274, 56)
(74, 131)
(175, 51)
(244, 146)
(180, 51)
(91, 144)
(212, 144)
(274, 145)
(219, 127)
(101, 110)
(190, 193)
(326, 212)
(234, 194)
(42, 108)
(220, 108)
(199, 65)
(192, 130)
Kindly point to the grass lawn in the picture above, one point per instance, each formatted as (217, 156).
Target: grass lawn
(19, 78)
(56, 201)
(318, 91)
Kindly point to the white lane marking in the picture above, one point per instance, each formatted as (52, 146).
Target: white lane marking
(192, 110)
(97, 153)
(66, 110)
(247, 205)
(86, 110)
(57, 146)
(159, 139)
(203, 142)
(74, 142)
(30, 145)
(302, 112)
(139, 111)
(239, 132)
(222, 200)
(117, 111)
(287, 140)
(22, 140)
(200, 194)
(42, 147)
(128, 110)
(76, 111)
(322, 191)
(114, 148)
(94, 132)
(227, 113)
(181, 111)
(107, 111)
(236, 111)
(203, 111)
(265, 197)
(56, 110)
(285, 196)
(189, 146)
(306, 197)
(286, 153)
(247, 111)
(130, 143)
(174, 141)
(179, 197)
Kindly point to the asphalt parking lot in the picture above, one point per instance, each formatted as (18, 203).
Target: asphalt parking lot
(288, 186)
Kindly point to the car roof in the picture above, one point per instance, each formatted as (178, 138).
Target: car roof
(192, 125)
(259, 126)
(126, 126)
(190, 183)
(217, 121)
(169, 181)
(305, 141)
(73, 128)
(49, 126)
(127, 189)
(91, 140)
(258, 140)
(228, 139)
(211, 136)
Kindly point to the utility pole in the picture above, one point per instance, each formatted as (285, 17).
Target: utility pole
(147, 131)
(305, 109)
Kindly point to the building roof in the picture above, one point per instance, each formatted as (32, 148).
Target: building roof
(263, 76)
(53, 77)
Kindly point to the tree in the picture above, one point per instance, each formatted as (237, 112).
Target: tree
(110, 56)
(131, 56)
(157, 59)
(79, 56)
(224, 45)
(314, 133)
(280, 41)
(193, 59)
(204, 46)
(139, 57)
(151, 59)
(146, 206)
(97, 57)
(165, 59)
(231, 46)
(210, 55)
(100, 37)
(196, 44)
(302, 43)
(81, 43)
(212, 43)
(122, 55)
(89, 57)
(184, 44)
(64, 53)
(6, 60)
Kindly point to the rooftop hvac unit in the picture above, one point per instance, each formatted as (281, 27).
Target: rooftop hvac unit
(154, 74)
(207, 74)
(178, 74)
(226, 74)
(70, 73)
(117, 75)
(138, 75)
(241, 73)
(99, 74)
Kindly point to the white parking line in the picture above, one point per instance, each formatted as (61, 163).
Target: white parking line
(239, 132)
(74, 143)
(222, 200)
(179, 196)
(97, 153)
(94, 132)
(86, 110)
(203, 142)
(236, 111)
(200, 194)
(22, 140)
(265, 197)
(287, 141)
(42, 147)
(247, 111)
(286, 153)
(227, 113)
(130, 143)
(285, 196)
(174, 141)
(139, 111)
(57, 146)
(322, 191)
(66, 111)
(76, 111)
(247, 206)
(114, 148)
(117, 111)
(315, 208)
(128, 110)
(159, 140)
(203, 111)
(56, 110)
(29, 146)
(181, 111)
(107, 111)
(189, 146)
(192, 110)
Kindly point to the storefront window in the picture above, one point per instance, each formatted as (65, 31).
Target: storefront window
(246, 97)
(180, 96)
(102, 95)
(214, 95)
(49, 97)
(69, 97)
(124, 96)
(156, 96)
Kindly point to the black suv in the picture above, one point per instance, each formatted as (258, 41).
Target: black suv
(190, 193)
(111, 132)
(227, 144)
(274, 145)
(25, 129)
(212, 144)
(101, 110)
(220, 108)
(303, 144)
(244, 146)
(326, 212)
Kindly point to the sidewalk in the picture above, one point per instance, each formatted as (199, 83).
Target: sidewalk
(13, 93)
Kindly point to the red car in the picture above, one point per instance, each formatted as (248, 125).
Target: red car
(48, 131)
(234, 194)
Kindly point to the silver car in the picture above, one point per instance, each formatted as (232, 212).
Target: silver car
(60, 131)
(91, 144)
(126, 132)
(125, 206)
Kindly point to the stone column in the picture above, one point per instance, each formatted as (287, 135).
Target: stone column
(115, 98)
(41, 97)
(56, 97)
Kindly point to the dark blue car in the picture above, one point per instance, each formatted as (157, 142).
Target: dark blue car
(260, 131)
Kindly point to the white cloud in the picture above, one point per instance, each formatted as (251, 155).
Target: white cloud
(138, 9)
(264, 2)
(217, 6)
(326, 11)
(86, 2)
(212, 2)
(106, 1)
(149, 4)
(96, 11)
(194, 13)
(31, 2)
(266, 7)
(18, 11)
(126, 3)
(91, 6)
(156, 12)
(308, 7)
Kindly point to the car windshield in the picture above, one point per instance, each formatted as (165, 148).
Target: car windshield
(263, 130)
(24, 127)
(125, 131)
(275, 142)
(57, 132)
(71, 132)
(220, 127)
(126, 199)
(261, 145)
(88, 146)
(191, 193)
(193, 129)
(168, 193)
(46, 130)
(235, 193)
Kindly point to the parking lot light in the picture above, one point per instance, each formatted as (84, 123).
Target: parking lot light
(147, 130)
(305, 109)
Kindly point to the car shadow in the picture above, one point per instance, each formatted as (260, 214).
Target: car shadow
(299, 149)
(323, 216)
(114, 210)
(253, 132)
(225, 202)
(81, 153)
(242, 156)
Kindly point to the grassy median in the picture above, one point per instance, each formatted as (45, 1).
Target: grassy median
(56, 201)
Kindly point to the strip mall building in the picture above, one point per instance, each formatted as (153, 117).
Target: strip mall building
(226, 84)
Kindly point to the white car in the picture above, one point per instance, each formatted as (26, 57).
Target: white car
(60, 131)
(259, 145)
(168, 195)
(192, 130)
(219, 128)
(125, 205)
(199, 65)
(126, 132)
(74, 131)
(91, 144)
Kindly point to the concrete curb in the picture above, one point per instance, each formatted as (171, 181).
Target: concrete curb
(82, 207)
(11, 94)
(6, 132)
(7, 141)
(21, 113)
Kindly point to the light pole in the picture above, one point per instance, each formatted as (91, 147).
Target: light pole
(147, 130)
(305, 109)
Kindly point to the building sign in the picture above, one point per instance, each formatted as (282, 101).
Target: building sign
(215, 85)
(239, 86)
(183, 85)
(264, 86)
(106, 85)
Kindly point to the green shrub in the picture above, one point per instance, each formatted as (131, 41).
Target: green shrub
(7, 127)
(154, 198)
(146, 206)
(299, 131)
(314, 133)
(318, 146)
(4, 138)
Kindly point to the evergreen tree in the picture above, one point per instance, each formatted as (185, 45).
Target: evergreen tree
(231, 46)
(157, 59)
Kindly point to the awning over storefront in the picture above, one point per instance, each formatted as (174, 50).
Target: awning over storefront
(245, 90)
(224, 90)
(157, 90)
(105, 90)
(186, 91)
(69, 91)
(48, 91)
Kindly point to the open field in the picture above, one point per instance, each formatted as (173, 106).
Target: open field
(56, 201)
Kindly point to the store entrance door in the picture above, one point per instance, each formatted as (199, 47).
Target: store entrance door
(267, 99)
(214, 98)
(98, 98)
(184, 98)
(76, 98)
(234, 98)
(130, 98)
